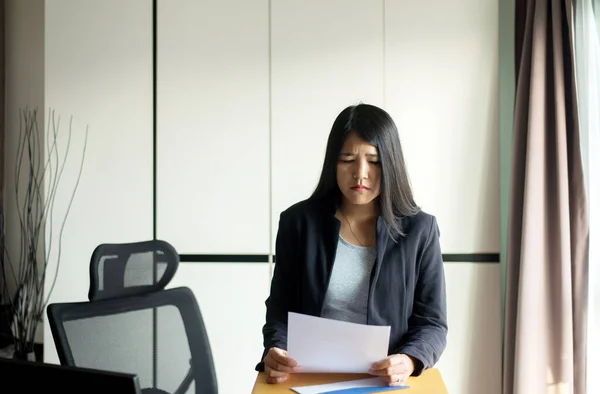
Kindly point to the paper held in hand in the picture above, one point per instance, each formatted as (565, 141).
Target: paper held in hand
(326, 345)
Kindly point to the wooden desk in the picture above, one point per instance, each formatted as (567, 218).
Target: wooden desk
(430, 382)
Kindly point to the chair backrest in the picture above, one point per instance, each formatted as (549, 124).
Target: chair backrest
(132, 325)
(127, 269)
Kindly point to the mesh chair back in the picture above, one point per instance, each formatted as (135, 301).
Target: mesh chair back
(132, 325)
(121, 270)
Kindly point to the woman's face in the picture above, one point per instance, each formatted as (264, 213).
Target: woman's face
(358, 170)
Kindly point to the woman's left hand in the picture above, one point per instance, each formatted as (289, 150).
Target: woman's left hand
(395, 369)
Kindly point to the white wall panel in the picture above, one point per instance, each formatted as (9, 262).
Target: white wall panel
(442, 90)
(231, 298)
(472, 362)
(98, 68)
(325, 56)
(213, 126)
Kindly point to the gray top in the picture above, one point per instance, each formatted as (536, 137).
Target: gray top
(348, 291)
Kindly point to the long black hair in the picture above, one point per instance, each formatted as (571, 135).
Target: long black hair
(377, 127)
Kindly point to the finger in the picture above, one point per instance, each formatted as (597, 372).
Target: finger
(393, 370)
(395, 380)
(273, 364)
(400, 381)
(273, 372)
(275, 380)
(387, 362)
(280, 368)
(280, 356)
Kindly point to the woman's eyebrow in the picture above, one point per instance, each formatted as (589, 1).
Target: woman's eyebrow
(373, 155)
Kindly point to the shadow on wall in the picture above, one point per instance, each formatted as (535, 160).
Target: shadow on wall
(490, 173)
(484, 361)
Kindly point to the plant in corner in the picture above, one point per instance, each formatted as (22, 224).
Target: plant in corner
(39, 166)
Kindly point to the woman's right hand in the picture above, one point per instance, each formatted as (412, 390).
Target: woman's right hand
(278, 365)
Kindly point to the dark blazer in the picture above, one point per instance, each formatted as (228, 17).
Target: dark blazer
(407, 285)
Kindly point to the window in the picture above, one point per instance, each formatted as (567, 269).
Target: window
(587, 57)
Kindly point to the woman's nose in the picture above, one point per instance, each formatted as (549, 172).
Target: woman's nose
(361, 170)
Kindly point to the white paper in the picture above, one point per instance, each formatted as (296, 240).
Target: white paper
(326, 345)
(322, 388)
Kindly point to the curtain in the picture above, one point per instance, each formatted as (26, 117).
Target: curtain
(546, 268)
(587, 59)
(2, 157)
(2, 102)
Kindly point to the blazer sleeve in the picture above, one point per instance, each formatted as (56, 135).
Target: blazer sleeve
(283, 288)
(425, 339)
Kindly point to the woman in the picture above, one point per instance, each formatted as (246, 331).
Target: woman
(360, 250)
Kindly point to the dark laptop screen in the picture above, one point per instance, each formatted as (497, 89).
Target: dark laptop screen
(21, 376)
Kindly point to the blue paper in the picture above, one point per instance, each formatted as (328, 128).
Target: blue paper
(365, 390)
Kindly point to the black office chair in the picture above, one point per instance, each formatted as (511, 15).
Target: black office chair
(132, 325)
